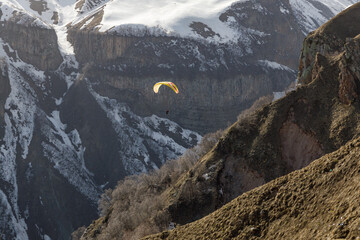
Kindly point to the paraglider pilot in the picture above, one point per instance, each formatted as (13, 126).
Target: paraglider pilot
(170, 85)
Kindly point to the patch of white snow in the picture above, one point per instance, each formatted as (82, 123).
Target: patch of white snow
(172, 17)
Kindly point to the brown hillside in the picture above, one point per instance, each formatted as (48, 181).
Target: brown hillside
(321, 201)
(344, 24)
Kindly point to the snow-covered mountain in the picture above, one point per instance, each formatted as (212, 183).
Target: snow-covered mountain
(77, 111)
(42, 152)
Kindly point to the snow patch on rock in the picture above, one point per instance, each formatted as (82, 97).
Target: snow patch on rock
(11, 9)
(311, 16)
(10, 224)
(20, 107)
(145, 135)
(278, 95)
(274, 65)
(66, 152)
(171, 17)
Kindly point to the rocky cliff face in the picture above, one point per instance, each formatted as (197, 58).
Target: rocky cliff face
(331, 39)
(209, 76)
(34, 43)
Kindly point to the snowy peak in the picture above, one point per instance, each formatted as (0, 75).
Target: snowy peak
(201, 19)
(88, 5)
(175, 17)
(48, 11)
(12, 11)
(185, 18)
(311, 14)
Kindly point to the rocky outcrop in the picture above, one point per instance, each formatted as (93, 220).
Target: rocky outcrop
(347, 89)
(329, 40)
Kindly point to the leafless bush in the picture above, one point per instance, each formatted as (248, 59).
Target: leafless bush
(105, 202)
(291, 87)
(189, 191)
(261, 102)
(137, 204)
(142, 230)
(208, 142)
(76, 235)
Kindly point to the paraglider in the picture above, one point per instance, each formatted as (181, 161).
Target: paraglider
(169, 84)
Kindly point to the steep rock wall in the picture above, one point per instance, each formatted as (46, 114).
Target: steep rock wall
(35, 45)
(283, 35)
(99, 47)
(214, 88)
(204, 103)
(329, 40)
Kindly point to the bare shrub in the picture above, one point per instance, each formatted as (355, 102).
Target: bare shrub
(261, 102)
(76, 235)
(137, 204)
(142, 230)
(105, 202)
(189, 191)
(208, 142)
(291, 87)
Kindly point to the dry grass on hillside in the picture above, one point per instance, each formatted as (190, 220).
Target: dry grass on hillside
(135, 208)
(321, 201)
(260, 103)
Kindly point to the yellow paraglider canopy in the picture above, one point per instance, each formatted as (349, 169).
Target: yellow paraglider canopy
(169, 84)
